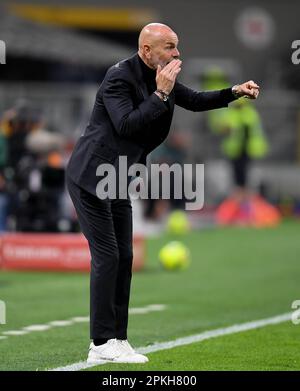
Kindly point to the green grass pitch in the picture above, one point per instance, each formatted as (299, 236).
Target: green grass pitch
(236, 275)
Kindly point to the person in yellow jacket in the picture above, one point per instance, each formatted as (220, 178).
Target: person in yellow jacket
(241, 127)
(243, 141)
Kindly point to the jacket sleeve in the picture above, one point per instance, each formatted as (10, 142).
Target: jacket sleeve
(200, 101)
(128, 120)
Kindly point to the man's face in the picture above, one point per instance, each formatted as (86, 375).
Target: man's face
(163, 50)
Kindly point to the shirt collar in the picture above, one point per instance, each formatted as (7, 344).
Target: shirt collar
(148, 72)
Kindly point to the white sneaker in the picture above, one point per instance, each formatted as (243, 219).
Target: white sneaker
(128, 349)
(113, 351)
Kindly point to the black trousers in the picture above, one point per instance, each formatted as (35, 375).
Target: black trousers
(240, 167)
(107, 225)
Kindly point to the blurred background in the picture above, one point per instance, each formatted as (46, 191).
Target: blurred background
(57, 54)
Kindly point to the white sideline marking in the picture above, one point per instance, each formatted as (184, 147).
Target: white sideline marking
(37, 327)
(237, 328)
(15, 332)
(61, 323)
(148, 308)
(76, 319)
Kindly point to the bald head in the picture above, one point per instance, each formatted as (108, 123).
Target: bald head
(153, 32)
(157, 44)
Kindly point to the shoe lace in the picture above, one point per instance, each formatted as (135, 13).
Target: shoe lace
(112, 341)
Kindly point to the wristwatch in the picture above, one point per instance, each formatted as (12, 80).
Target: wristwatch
(163, 95)
(234, 90)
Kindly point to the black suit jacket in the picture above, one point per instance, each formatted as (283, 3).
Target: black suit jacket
(127, 121)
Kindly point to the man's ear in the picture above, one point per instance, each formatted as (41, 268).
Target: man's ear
(147, 50)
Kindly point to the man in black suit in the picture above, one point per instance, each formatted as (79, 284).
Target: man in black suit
(131, 116)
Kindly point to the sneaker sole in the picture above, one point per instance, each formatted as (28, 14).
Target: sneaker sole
(124, 361)
(116, 361)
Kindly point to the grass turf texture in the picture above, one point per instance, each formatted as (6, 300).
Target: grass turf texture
(236, 275)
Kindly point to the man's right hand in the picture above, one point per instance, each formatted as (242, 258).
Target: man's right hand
(166, 77)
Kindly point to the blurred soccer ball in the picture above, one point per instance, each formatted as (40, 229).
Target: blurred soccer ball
(174, 256)
(178, 223)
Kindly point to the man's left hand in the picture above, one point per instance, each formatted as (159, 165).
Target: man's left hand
(248, 89)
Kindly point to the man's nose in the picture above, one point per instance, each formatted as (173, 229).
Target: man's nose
(176, 53)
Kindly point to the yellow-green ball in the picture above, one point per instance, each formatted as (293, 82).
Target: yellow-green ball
(174, 255)
(178, 223)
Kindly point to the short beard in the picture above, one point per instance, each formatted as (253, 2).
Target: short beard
(155, 62)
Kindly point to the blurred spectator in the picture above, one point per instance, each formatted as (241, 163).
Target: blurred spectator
(33, 173)
(243, 141)
(241, 128)
(17, 123)
(40, 207)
